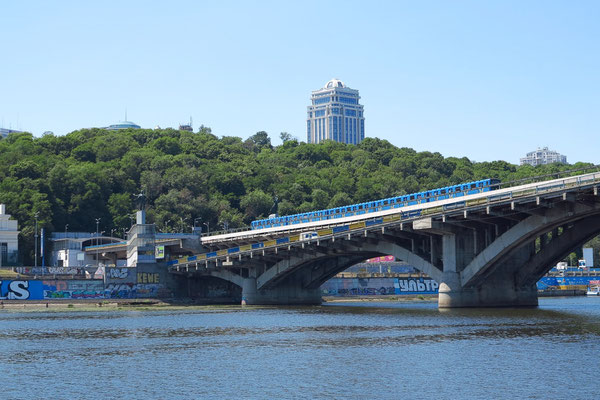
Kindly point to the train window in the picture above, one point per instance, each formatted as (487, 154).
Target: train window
(473, 185)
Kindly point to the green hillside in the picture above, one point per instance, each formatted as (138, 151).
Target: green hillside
(94, 173)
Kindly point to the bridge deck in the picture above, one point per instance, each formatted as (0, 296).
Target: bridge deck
(226, 246)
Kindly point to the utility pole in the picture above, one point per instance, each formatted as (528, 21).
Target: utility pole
(36, 215)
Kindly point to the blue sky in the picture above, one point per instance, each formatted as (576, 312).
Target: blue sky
(487, 80)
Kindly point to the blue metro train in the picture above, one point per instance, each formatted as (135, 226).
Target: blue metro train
(379, 205)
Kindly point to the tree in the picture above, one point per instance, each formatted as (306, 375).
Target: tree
(259, 140)
(256, 204)
(285, 137)
(340, 199)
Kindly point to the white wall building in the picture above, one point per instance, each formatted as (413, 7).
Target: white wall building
(69, 249)
(335, 114)
(9, 238)
(543, 156)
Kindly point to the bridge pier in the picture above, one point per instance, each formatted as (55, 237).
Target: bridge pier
(499, 289)
(495, 292)
(286, 293)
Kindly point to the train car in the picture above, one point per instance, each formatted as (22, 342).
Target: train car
(381, 205)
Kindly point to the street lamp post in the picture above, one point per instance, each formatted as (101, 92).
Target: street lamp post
(97, 225)
(182, 223)
(36, 215)
(207, 227)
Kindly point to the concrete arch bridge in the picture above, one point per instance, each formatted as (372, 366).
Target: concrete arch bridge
(485, 250)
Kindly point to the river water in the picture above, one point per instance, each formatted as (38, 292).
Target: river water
(338, 350)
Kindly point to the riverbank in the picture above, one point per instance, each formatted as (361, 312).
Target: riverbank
(100, 305)
(178, 304)
(370, 298)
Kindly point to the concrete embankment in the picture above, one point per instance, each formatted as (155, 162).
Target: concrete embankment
(370, 298)
(93, 304)
(561, 293)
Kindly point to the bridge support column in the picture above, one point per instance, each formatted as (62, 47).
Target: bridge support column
(497, 290)
(493, 293)
(287, 293)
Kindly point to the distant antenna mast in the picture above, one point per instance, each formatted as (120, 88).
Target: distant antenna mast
(190, 121)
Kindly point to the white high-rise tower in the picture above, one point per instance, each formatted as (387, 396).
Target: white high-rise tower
(335, 114)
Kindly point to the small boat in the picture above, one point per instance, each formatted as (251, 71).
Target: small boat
(594, 288)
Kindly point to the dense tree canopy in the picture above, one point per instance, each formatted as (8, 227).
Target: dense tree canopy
(187, 177)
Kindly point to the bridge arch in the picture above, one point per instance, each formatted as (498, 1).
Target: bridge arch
(322, 268)
(515, 245)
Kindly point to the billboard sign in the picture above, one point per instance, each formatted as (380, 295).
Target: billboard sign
(159, 252)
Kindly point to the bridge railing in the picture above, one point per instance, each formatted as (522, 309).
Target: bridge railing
(548, 177)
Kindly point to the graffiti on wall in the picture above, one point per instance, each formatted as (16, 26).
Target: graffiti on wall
(51, 289)
(49, 270)
(415, 286)
(67, 289)
(20, 290)
(378, 286)
(117, 273)
(134, 290)
(121, 283)
(358, 287)
(145, 277)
